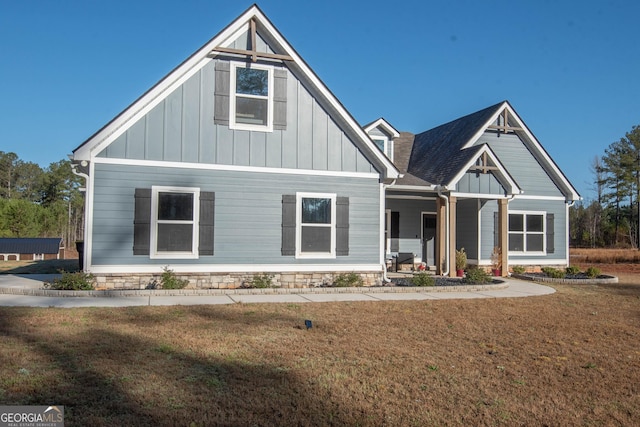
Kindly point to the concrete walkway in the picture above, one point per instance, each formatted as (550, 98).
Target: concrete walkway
(26, 291)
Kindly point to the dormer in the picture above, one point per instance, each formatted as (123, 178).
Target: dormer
(382, 134)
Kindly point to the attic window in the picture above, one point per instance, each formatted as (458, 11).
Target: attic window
(384, 144)
(251, 97)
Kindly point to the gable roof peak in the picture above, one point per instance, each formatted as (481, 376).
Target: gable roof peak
(385, 125)
(209, 51)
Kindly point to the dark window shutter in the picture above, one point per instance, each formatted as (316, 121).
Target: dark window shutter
(342, 226)
(207, 215)
(395, 232)
(280, 99)
(550, 234)
(142, 221)
(288, 224)
(496, 229)
(221, 97)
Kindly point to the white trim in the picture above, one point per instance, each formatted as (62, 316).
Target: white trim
(431, 188)
(479, 234)
(532, 140)
(566, 230)
(195, 62)
(233, 268)
(232, 168)
(385, 219)
(383, 124)
(502, 175)
(500, 196)
(479, 196)
(529, 197)
(88, 217)
(524, 232)
(234, 65)
(387, 145)
(422, 214)
(525, 261)
(146, 103)
(386, 233)
(399, 197)
(153, 253)
(332, 225)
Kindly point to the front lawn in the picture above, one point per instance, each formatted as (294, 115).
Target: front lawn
(570, 358)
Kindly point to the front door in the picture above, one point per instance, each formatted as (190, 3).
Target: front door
(429, 239)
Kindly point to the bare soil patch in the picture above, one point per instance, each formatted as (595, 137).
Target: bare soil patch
(571, 358)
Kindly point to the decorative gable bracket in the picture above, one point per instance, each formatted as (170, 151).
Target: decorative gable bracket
(252, 53)
(501, 125)
(483, 165)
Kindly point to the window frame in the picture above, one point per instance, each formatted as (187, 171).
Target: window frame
(195, 222)
(525, 232)
(233, 95)
(387, 145)
(299, 225)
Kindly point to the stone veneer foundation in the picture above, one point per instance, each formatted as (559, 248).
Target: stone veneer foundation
(229, 280)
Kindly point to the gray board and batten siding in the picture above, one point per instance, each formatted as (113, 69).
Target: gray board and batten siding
(181, 128)
(555, 210)
(248, 214)
(521, 164)
(479, 183)
(467, 227)
(409, 215)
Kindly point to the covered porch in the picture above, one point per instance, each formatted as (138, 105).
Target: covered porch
(433, 225)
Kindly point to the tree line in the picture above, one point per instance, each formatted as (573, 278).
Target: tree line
(612, 219)
(37, 202)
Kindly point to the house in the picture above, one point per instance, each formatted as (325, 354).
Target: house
(484, 183)
(28, 249)
(242, 162)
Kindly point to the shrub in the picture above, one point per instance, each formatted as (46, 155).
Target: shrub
(461, 259)
(78, 281)
(554, 272)
(477, 275)
(345, 280)
(572, 270)
(593, 272)
(261, 281)
(518, 269)
(169, 280)
(423, 279)
(496, 258)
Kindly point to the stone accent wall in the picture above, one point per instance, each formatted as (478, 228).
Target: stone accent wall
(229, 280)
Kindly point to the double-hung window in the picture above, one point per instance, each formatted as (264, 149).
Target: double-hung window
(251, 100)
(316, 223)
(527, 232)
(174, 222)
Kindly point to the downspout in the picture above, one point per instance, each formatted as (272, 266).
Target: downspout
(385, 279)
(447, 225)
(82, 170)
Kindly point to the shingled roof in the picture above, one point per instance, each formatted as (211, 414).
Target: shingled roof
(40, 245)
(438, 154)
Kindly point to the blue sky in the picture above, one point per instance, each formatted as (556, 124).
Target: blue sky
(571, 69)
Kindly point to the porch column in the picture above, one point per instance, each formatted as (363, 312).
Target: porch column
(441, 231)
(453, 202)
(503, 234)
